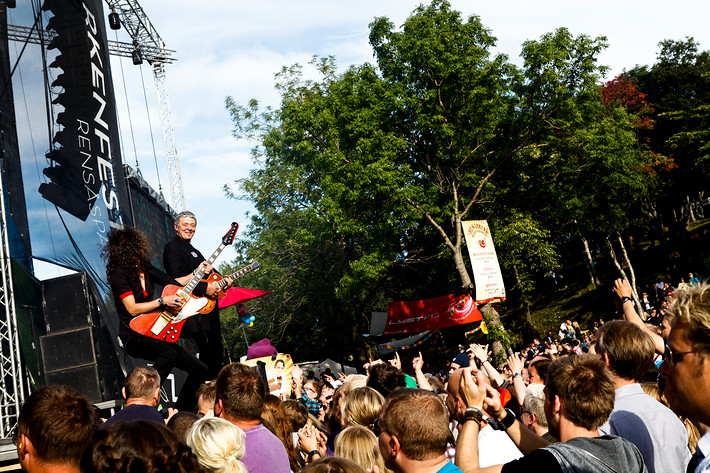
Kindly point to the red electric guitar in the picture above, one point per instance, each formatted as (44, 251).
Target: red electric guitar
(167, 324)
(221, 283)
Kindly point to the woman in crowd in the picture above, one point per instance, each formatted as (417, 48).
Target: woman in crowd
(361, 407)
(218, 445)
(360, 445)
(275, 419)
(133, 280)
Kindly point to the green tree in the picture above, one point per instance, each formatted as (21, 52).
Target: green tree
(525, 251)
(364, 177)
(678, 87)
(329, 228)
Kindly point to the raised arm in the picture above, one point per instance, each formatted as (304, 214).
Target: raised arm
(473, 393)
(481, 352)
(418, 365)
(515, 363)
(622, 289)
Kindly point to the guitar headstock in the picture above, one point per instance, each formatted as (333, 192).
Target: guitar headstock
(254, 264)
(228, 238)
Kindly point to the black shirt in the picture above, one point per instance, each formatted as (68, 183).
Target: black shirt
(124, 285)
(180, 258)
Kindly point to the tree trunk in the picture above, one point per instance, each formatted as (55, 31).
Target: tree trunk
(691, 215)
(500, 351)
(461, 268)
(700, 210)
(523, 296)
(634, 294)
(593, 278)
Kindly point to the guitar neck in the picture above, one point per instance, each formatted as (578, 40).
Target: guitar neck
(197, 277)
(238, 274)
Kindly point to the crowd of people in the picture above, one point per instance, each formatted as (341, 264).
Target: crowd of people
(610, 409)
(628, 395)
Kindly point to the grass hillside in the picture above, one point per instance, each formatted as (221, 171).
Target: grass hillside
(584, 302)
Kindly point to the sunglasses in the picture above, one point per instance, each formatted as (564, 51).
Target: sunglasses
(675, 358)
(375, 427)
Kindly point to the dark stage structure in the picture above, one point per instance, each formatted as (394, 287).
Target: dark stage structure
(63, 187)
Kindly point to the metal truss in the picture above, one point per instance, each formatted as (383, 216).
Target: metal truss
(12, 390)
(117, 48)
(146, 39)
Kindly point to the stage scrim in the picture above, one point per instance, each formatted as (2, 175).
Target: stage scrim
(74, 186)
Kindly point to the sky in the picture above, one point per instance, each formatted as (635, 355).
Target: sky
(234, 48)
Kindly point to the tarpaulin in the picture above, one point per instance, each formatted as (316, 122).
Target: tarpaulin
(431, 314)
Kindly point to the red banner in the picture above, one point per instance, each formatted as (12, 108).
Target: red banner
(431, 314)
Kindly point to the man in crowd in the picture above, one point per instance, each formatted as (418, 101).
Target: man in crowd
(686, 368)
(657, 432)
(579, 397)
(413, 431)
(240, 393)
(55, 425)
(180, 258)
(142, 395)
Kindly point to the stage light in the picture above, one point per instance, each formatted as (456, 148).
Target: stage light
(113, 21)
(137, 57)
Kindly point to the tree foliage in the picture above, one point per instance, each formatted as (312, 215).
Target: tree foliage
(363, 177)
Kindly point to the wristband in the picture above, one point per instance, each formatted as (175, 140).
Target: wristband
(626, 299)
(475, 414)
(474, 418)
(309, 458)
(508, 420)
(160, 301)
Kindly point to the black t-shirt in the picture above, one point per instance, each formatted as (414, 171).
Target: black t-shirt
(180, 258)
(537, 460)
(124, 285)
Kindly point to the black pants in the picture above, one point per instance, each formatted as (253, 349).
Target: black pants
(166, 356)
(205, 331)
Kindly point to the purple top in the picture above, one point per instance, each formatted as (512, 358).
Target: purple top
(264, 452)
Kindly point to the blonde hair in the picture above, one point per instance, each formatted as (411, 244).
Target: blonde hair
(361, 406)
(218, 445)
(359, 444)
(354, 381)
(534, 402)
(691, 309)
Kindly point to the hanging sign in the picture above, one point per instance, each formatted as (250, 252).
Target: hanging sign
(484, 262)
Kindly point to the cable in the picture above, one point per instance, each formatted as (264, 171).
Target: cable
(155, 156)
(17, 62)
(45, 73)
(128, 108)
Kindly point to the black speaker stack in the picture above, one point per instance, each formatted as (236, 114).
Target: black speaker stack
(77, 349)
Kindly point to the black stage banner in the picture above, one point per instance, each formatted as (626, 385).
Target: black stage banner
(85, 162)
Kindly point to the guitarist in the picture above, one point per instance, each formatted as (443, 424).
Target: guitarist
(180, 259)
(133, 280)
